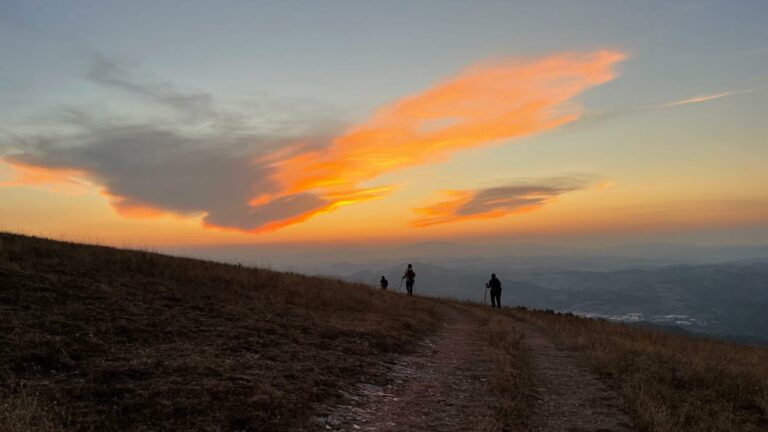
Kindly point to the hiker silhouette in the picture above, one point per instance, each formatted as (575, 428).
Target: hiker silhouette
(384, 282)
(495, 285)
(410, 278)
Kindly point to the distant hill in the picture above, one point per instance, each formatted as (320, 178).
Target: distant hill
(345, 260)
(725, 300)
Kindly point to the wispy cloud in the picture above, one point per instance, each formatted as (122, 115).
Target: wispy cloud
(508, 199)
(193, 105)
(236, 178)
(705, 98)
(696, 99)
(686, 101)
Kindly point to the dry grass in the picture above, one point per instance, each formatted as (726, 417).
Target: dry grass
(101, 339)
(670, 382)
(512, 378)
(97, 338)
(22, 411)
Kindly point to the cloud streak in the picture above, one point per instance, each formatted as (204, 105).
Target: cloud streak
(238, 179)
(705, 98)
(686, 101)
(192, 105)
(497, 201)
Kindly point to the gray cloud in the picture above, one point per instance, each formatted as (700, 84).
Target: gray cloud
(501, 200)
(511, 198)
(270, 215)
(210, 171)
(193, 105)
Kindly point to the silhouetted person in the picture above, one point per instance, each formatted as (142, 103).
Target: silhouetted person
(410, 278)
(495, 286)
(384, 283)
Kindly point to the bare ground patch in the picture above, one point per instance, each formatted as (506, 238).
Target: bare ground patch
(442, 387)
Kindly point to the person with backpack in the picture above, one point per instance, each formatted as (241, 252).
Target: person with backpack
(495, 285)
(410, 278)
(384, 282)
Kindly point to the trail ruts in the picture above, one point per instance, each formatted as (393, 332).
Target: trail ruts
(442, 387)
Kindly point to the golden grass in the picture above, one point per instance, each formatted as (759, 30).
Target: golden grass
(670, 382)
(97, 338)
(512, 380)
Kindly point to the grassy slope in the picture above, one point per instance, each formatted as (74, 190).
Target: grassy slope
(96, 338)
(669, 382)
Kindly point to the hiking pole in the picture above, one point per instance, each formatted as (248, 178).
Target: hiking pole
(401, 285)
(485, 293)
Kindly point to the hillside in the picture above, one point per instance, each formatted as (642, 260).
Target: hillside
(722, 300)
(96, 338)
(101, 339)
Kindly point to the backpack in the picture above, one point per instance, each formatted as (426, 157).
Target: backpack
(410, 274)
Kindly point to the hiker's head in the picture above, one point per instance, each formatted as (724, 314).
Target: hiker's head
(382, 276)
(410, 265)
(493, 275)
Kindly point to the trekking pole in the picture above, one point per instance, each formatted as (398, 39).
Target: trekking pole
(401, 285)
(485, 293)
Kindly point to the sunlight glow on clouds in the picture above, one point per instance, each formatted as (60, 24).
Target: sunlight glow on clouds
(515, 198)
(210, 164)
(56, 179)
(481, 106)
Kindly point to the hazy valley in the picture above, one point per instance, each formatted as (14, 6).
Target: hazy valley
(720, 291)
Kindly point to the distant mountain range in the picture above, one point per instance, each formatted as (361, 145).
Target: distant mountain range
(345, 260)
(724, 300)
(715, 290)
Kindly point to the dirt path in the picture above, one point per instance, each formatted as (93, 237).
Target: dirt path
(572, 398)
(442, 387)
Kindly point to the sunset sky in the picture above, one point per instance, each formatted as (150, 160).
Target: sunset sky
(201, 122)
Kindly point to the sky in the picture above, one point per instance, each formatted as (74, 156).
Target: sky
(234, 122)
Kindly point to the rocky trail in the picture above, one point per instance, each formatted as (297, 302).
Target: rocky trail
(444, 386)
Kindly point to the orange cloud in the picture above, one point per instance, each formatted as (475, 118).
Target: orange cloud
(481, 106)
(496, 201)
(32, 175)
(329, 203)
(128, 208)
